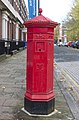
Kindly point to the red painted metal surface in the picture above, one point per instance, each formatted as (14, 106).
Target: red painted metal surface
(40, 56)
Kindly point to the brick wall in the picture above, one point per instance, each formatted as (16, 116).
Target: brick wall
(0, 24)
(14, 30)
(20, 33)
(10, 34)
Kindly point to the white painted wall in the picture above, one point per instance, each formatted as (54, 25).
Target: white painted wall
(4, 25)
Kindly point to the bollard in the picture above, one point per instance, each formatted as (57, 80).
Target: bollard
(39, 96)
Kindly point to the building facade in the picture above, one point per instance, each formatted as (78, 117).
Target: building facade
(62, 33)
(12, 15)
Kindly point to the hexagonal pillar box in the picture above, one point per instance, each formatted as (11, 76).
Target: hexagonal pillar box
(39, 97)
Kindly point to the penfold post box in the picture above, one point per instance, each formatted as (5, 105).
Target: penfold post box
(39, 96)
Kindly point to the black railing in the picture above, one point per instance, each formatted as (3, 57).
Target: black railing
(6, 46)
(2, 47)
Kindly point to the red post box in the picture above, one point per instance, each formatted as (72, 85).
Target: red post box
(39, 97)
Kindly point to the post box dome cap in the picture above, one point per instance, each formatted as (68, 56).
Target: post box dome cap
(40, 21)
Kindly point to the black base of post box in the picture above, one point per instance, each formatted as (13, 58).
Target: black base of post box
(39, 107)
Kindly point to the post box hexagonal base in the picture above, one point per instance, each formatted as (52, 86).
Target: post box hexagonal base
(39, 107)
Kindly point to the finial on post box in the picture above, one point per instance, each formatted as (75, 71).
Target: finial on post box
(40, 11)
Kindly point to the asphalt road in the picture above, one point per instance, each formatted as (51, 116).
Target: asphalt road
(67, 75)
(66, 54)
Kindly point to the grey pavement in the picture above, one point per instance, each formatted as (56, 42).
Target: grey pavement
(12, 89)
